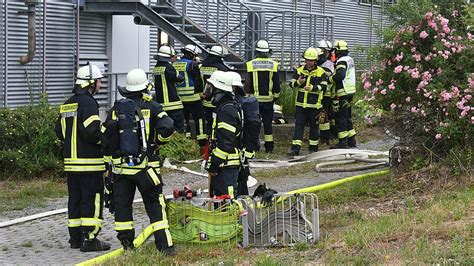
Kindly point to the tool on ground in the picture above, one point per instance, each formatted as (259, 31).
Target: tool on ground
(187, 192)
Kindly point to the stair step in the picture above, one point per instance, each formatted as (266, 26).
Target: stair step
(158, 6)
(179, 25)
(165, 15)
(197, 34)
(209, 43)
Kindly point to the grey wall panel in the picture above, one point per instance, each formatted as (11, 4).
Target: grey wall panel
(60, 51)
(2, 53)
(153, 46)
(93, 47)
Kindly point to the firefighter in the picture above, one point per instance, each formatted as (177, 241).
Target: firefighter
(224, 162)
(189, 91)
(78, 126)
(213, 62)
(264, 83)
(144, 172)
(345, 88)
(326, 116)
(310, 81)
(166, 79)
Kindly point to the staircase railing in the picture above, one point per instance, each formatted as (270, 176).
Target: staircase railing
(290, 32)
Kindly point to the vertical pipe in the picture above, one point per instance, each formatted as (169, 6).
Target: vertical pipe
(207, 15)
(183, 15)
(371, 22)
(218, 19)
(5, 92)
(282, 60)
(315, 224)
(227, 23)
(44, 46)
(77, 33)
(242, 54)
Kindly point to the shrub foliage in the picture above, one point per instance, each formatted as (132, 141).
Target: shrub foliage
(423, 81)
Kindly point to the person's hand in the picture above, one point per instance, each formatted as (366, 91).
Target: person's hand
(301, 80)
(308, 88)
(212, 174)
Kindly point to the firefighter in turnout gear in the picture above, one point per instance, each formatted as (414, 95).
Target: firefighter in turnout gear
(78, 126)
(264, 83)
(213, 62)
(345, 88)
(224, 161)
(166, 79)
(189, 91)
(326, 116)
(138, 123)
(310, 81)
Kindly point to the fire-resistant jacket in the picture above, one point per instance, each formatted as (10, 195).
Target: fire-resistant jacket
(328, 66)
(189, 89)
(78, 126)
(263, 80)
(166, 78)
(225, 138)
(317, 80)
(158, 130)
(211, 64)
(344, 76)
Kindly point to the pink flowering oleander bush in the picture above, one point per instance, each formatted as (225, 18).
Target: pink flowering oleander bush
(424, 83)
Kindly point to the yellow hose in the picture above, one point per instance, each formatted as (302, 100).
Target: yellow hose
(337, 182)
(139, 240)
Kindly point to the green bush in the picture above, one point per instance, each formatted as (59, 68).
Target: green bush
(180, 148)
(287, 99)
(423, 80)
(29, 145)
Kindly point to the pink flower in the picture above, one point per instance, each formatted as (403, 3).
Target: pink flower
(383, 92)
(367, 85)
(445, 96)
(415, 74)
(429, 15)
(399, 57)
(427, 58)
(424, 34)
(417, 57)
(472, 120)
(414, 109)
(398, 69)
(413, 49)
(455, 13)
(455, 91)
(408, 99)
(393, 106)
(391, 86)
(438, 136)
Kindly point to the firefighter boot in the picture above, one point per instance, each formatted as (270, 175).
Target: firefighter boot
(294, 151)
(75, 243)
(341, 145)
(94, 245)
(127, 244)
(351, 142)
(313, 148)
(268, 146)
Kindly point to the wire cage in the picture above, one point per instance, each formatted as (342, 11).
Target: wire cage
(285, 221)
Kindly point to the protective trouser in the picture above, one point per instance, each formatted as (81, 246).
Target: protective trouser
(266, 111)
(325, 128)
(85, 205)
(124, 192)
(302, 117)
(343, 115)
(178, 119)
(196, 110)
(208, 111)
(225, 182)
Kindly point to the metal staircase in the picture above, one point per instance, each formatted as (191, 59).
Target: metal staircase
(165, 17)
(233, 24)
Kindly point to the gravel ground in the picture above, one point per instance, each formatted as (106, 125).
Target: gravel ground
(44, 241)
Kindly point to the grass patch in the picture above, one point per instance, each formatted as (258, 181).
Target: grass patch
(17, 195)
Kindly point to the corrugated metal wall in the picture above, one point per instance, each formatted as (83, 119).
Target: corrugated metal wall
(93, 47)
(2, 53)
(53, 68)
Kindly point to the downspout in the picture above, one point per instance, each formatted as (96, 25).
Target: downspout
(31, 32)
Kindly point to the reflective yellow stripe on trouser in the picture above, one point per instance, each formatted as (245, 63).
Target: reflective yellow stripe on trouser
(123, 226)
(163, 224)
(74, 222)
(297, 142)
(351, 133)
(95, 221)
(268, 138)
